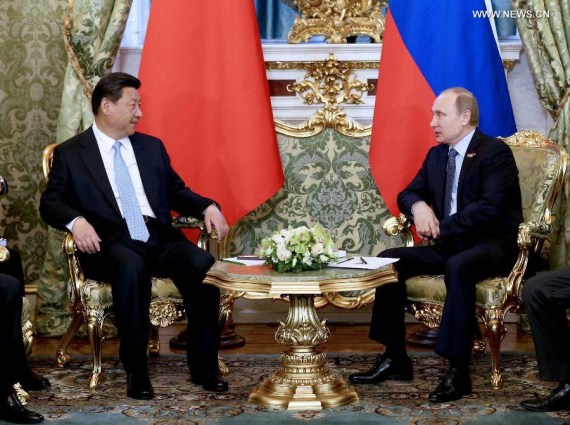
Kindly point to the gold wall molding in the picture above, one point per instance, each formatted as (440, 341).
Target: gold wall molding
(306, 65)
(293, 65)
(336, 20)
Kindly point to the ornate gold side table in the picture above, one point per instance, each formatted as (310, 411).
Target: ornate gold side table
(303, 380)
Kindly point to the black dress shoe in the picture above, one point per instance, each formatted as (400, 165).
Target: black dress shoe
(385, 368)
(210, 383)
(454, 385)
(139, 386)
(558, 399)
(31, 381)
(12, 410)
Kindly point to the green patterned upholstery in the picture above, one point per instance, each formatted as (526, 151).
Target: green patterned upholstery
(327, 181)
(489, 292)
(537, 169)
(98, 294)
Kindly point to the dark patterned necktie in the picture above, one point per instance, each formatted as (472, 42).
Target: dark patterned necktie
(449, 180)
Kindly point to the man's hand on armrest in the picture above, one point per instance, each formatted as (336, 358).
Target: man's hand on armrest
(213, 218)
(85, 236)
(427, 224)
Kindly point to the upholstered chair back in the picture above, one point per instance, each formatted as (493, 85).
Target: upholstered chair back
(327, 181)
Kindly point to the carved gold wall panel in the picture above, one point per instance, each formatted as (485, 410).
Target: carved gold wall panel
(331, 82)
(338, 19)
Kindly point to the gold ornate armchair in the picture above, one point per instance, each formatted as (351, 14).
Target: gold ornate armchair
(91, 301)
(327, 178)
(542, 167)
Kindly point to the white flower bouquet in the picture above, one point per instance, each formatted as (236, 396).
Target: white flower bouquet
(298, 249)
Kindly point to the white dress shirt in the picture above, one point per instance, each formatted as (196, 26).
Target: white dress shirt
(105, 144)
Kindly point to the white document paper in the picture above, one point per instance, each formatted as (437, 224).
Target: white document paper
(251, 261)
(361, 262)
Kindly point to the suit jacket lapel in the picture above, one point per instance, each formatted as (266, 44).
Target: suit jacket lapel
(144, 163)
(89, 150)
(467, 164)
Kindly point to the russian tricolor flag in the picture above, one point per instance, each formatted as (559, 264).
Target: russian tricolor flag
(430, 46)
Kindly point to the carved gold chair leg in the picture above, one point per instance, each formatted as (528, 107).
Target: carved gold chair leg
(479, 346)
(62, 356)
(494, 333)
(223, 369)
(95, 334)
(154, 342)
(22, 395)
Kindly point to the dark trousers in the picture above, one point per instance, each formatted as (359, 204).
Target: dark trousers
(13, 267)
(462, 268)
(128, 265)
(546, 298)
(13, 362)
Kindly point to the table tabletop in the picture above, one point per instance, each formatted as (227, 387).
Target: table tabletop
(265, 280)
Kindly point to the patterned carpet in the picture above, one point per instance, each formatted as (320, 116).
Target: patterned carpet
(180, 402)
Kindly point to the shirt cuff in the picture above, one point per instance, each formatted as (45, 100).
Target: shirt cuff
(71, 223)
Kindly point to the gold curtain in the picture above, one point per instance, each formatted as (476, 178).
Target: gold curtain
(92, 35)
(544, 28)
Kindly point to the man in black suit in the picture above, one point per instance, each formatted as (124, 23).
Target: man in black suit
(114, 189)
(13, 362)
(471, 212)
(546, 298)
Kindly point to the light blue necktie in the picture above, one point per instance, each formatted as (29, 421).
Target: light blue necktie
(449, 181)
(128, 198)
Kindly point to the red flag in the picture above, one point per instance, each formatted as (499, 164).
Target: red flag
(205, 93)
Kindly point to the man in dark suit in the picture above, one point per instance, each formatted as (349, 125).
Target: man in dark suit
(546, 298)
(114, 189)
(13, 362)
(470, 207)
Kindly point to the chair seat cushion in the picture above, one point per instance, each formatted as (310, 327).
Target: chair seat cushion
(489, 292)
(98, 294)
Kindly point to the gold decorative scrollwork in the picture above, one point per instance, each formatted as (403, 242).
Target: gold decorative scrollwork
(428, 313)
(302, 327)
(329, 82)
(338, 19)
(303, 334)
(163, 313)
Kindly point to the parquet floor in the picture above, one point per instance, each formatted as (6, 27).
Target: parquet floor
(260, 339)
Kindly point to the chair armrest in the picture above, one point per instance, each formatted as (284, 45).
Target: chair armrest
(530, 231)
(186, 222)
(400, 225)
(531, 236)
(77, 278)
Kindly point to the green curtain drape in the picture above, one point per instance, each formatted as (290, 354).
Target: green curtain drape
(544, 28)
(93, 31)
